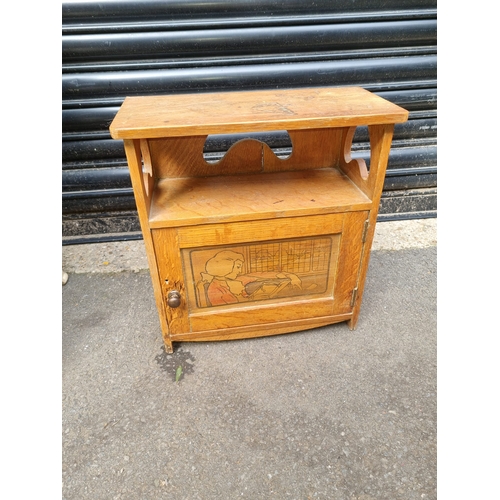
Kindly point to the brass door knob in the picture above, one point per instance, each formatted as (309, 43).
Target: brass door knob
(174, 299)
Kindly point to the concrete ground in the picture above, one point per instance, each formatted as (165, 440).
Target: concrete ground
(322, 414)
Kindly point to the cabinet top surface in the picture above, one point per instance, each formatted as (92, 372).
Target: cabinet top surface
(251, 111)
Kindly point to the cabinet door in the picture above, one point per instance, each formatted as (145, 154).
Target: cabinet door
(249, 275)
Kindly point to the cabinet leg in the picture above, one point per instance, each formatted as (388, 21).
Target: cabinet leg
(353, 321)
(169, 348)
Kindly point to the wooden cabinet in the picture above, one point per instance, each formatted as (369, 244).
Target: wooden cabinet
(255, 244)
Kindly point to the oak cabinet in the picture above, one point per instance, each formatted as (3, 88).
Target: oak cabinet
(255, 244)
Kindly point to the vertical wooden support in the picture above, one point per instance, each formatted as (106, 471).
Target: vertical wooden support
(380, 144)
(143, 201)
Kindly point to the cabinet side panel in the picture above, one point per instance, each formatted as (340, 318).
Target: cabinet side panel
(142, 191)
(142, 185)
(351, 247)
(380, 144)
(170, 274)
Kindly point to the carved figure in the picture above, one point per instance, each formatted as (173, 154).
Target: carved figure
(224, 282)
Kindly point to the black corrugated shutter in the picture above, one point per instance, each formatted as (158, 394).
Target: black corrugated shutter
(114, 49)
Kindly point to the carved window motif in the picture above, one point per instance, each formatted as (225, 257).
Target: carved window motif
(263, 271)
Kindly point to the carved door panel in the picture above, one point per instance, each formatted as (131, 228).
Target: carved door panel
(241, 274)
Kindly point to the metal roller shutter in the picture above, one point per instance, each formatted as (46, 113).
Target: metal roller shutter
(111, 49)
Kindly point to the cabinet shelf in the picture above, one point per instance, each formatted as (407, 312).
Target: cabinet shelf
(203, 200)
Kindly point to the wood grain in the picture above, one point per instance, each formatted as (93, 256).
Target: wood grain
(251, 111)
(170, 274)
(259, 230)
(274, 328)
(183, 156)
(262, 315)
(142, 185)
(380, 142)
(349, 260)
(196, 200)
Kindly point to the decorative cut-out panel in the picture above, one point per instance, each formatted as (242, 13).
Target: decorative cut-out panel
(175, 157)
(248, 273)
(217, 146)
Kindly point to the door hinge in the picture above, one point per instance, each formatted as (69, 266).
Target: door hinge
(354, 295)
(365, 230)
